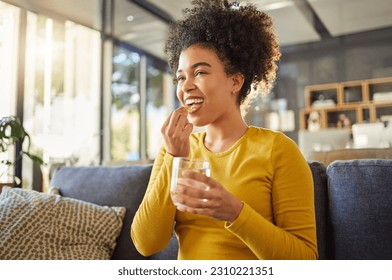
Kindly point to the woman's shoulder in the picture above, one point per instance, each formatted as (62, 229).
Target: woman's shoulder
(264, 132)
(269, 135)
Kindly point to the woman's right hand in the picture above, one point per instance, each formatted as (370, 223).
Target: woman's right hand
(176, 131)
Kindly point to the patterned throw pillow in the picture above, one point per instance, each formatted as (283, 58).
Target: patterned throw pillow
(40, 226)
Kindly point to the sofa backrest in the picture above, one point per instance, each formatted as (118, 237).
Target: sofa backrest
(360, 209)
(108, 186)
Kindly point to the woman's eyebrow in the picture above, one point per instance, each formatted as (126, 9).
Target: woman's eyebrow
(196, 65)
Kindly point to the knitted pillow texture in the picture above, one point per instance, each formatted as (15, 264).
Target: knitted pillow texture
(41, 226)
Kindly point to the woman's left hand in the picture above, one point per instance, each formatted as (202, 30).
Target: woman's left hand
(199, 194)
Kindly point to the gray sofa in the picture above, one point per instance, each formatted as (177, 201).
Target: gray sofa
(353, 202)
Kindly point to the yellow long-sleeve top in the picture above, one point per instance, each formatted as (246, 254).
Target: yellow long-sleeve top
(265, 170)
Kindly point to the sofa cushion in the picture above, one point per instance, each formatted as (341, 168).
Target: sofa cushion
(108, 185)
(360, 200)
(41, 226)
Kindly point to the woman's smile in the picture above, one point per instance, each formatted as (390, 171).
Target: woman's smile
(193, 104)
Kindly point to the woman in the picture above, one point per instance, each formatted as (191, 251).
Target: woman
(258, 202)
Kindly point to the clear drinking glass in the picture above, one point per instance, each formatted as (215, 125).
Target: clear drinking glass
(181, 164)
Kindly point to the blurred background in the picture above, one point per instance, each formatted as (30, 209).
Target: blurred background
(90, 83)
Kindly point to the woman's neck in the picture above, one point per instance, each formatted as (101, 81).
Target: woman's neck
(220, 138)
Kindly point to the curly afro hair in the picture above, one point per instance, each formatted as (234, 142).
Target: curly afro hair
(240, 34)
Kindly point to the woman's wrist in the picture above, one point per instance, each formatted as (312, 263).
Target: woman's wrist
(237, 210)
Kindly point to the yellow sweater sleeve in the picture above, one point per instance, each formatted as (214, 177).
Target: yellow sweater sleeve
(153, 223)
(292, 235)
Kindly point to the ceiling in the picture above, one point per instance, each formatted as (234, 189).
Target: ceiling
(144, 23)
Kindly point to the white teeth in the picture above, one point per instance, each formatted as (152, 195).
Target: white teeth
(193, 101)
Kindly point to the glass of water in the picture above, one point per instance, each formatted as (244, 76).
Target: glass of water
(180, 164)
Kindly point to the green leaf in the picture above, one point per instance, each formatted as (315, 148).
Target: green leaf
(6, 162)
(34, 158)
(12, 129)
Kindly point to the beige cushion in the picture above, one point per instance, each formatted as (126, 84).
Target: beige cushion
(36, 225)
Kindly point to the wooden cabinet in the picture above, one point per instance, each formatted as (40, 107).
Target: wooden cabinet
(360, 101)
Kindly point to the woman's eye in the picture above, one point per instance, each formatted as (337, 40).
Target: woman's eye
(198, 73)
(180, 78)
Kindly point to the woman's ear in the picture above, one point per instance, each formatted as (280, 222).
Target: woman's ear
(238, 80)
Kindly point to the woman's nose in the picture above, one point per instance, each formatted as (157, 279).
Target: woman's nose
(188, 84)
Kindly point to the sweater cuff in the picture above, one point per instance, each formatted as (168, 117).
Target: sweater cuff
(168, 159)
(241, 219)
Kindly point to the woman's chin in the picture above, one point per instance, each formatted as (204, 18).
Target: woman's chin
(197, 123)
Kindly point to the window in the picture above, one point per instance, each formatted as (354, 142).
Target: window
(160, 97)
(61, 88)
(125, 108)
(9, 25)
(62, 92)
(142, 95)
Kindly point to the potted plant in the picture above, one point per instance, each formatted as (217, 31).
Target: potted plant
(12, 132)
